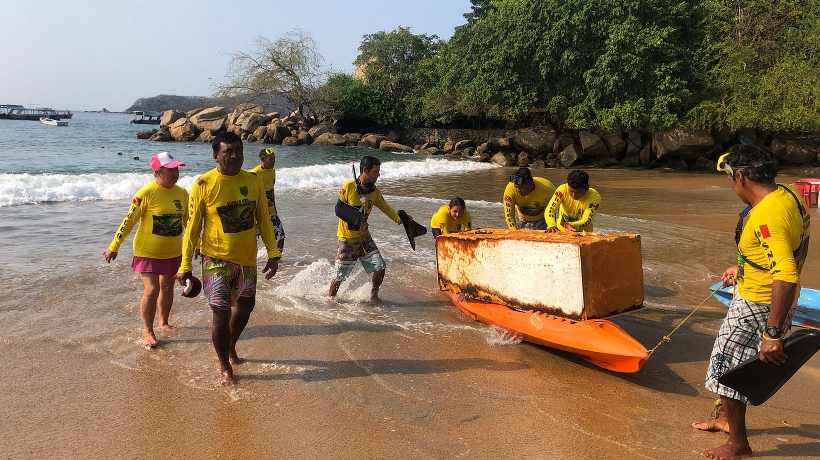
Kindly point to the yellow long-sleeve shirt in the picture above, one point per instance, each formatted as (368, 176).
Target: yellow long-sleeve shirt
(225, 213)
(578, 214)
(349, 195)
(268, 177)
(444, 222)
(531, 206)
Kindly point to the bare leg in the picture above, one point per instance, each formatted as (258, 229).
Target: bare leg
(737, 447)
(378, 277)
(221, 336)
(239, 319)
(166, 299)
(334, 287)
(148, 308)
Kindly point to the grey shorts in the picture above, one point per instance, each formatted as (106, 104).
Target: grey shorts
(738, 339)
(278, 230)
(522, 224)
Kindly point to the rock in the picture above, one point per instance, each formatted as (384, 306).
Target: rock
(747, 136)
(523, 159)
(631, 160)
(539, 139)
(538, 164)
(483, 148)
(468, 152)
(432, 151)
(250, 138)
(501, 144)
(261, 133)
(481, 157)
(795, 150)
(592, 145)
(633, 143)
(561, 142)
(213, 119)
(677, 163)
(678, 143)
(193, 112)
(305, 138)
(394, 136)
(503, 159)
(353, 139)
(290, 141)
(272, 115)
(616, 144)
(570, 155)
(205, 136)
(449, 146)
(463, 144)
(161, 135)
(146, 134)
(249, 122)
(322, 128)
(724, 136)
(183, 130)
(607, 162)
(372, 140)
(169, 117)
(705, 164)
(330, 139)
(646, 153)
(388, 146)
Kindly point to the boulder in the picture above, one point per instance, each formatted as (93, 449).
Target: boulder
(250, 121)
(169, 117)
(468, 152)
(449, 146)
(305, 138)
(523, 159)
(677, 163)
(705, 164)
(570, 156)
(432, 151)
(205, 136)
(261, 133)
(631, 160)
(389, 146)
(272, 115)
(290, 141)
(330, 139)
(394, 136)
(616, 144)
(353, 138)
(463, 144)
(633, 143)
(193, 112)
(592, 145)
(481, 157)
(724, 136)
(678, 143)
(372, 140)
(241, 112)
(213, 119)
(646, 153)
(747, 136)
(322, 128)
(501, 144)
(607, 162)
(795, 150)
(539, 139)
(483, 148)
(538, 164)
(162, 136)
(561, 142)
(183, 130)
(503, 159)
(146, 134)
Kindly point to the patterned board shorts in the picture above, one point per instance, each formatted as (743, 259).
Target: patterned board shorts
(738, 339)
(349, 252)
(522, 224)
(223, 282)
(278, 230)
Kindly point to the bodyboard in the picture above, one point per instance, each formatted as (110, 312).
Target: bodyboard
(412, 228)
(758, 381)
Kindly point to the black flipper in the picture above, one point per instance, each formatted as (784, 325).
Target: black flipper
(412, 228)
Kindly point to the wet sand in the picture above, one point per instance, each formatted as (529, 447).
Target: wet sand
(319, 387)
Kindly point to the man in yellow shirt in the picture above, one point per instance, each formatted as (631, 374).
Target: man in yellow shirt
(355, 242)
(771, 249)
(227, 206)
(573, 205)
(265, 170)
(525, 199)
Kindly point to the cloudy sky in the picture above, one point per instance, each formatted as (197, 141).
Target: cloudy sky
(90, 54)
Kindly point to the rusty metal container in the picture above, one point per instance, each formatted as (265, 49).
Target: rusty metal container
(573, 275)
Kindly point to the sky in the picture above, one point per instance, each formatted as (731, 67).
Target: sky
(94, 54)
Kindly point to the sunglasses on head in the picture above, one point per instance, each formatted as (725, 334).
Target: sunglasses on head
(519, 180)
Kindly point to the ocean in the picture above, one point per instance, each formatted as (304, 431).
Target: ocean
(64, 190)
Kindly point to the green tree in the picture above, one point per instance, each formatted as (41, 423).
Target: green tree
(355, 104)
(400, 63)
(291, 67)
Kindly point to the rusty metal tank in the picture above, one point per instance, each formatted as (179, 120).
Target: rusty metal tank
(573, 275)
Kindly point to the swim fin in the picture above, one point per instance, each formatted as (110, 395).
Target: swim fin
(412, 228)
(758, 381)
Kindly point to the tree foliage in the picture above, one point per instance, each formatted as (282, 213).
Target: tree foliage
(290, 67)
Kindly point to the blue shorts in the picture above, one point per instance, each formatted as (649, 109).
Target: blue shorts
(349, 252)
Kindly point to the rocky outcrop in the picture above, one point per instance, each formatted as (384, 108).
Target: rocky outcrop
(539, 139)
(212, 119)
(388, 146)
(682, 144)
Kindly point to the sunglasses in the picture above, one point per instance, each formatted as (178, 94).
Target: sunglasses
(519, 180)
(725, 167)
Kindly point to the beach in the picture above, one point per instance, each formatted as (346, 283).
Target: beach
(413, 378)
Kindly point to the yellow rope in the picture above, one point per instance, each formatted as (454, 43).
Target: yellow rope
(668, 337)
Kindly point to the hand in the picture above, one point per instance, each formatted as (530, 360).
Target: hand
(364, 226)
(729, 276)
(568, 227)
(271, 267)
(552, 230)
(109, 255)
(771, 351)
(183, 277)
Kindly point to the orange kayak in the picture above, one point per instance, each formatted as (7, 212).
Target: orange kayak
(598, 341)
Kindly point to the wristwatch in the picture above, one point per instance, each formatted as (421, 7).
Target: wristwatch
(773, 332)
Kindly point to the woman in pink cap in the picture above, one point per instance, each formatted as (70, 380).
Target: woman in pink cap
(161, 207)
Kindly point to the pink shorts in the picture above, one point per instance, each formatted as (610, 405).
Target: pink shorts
(156, 266)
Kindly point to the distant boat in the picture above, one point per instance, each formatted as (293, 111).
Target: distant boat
(51, 122)
(146, 118)
(18, 112)
(806, 313)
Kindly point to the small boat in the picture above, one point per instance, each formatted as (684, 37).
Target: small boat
(146, 118)
(599, 341)
(50, 122)
(551, 289)
(806, 314)
(19, 112)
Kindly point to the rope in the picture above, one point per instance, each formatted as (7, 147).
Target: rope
(668, 337)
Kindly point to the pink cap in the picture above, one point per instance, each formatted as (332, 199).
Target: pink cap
(164, 160)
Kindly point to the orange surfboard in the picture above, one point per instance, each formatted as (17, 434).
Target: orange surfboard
(599, 341)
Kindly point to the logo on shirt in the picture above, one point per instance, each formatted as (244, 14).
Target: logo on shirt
(136, 201)
(237, 216)
(243, 190)
(764, 231)
(167, 225)
(178, 205)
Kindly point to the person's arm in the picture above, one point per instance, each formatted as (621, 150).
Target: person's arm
(138, 205)
(265, 227)
(774, 241)
(509, 206)
(586, 217)
(191, 237)
(551, 213)
(379, 202)
(468, 220)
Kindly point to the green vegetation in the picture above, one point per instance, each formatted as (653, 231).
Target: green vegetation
(592, 64)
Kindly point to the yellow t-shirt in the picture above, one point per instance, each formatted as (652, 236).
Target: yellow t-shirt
(563, 209)
(349, 195)
(268, 177)
(162, 214)
(225, 214)
(775, 237)
(531, 206)
(443, 221)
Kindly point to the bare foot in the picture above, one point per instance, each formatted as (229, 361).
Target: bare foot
(235, 359)
(166, 327)
(226, 379)
(334, 287)
(149, 340)
(713, 424)
(729, 452)
(375, 300)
